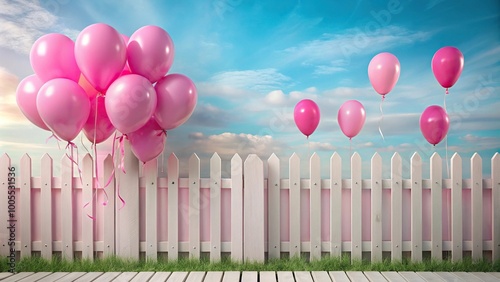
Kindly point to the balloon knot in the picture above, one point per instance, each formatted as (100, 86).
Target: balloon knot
(447, 92)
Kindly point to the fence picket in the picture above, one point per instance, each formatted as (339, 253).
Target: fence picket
(436, 207)
(87, 197)
(194, 207)
(236, 208)
(4, 188)
(273, 206)
(416, 208)
(253, 204)
(295, 207)
(173, 207)
(315, 200)
(335, 205)
(25, 206)
(356, 206)
(376, 205)
(456, 212)
(495, 195)
(150, 172)
(46, 198)
(109, 209)
(67, 208)
(477, 206)
(215, 207)
(396, 208)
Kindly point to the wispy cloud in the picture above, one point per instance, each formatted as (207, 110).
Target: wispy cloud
(208, 115)
(11, 114)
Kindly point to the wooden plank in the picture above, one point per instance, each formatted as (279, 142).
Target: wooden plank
(495, 195)
(108, 225)
(456, 208)
(4, 194)
(469, 277)
(485, 276)
(35, 277)
(320, 276)
(285, 276)
(150, 172)
(267, 276)
(477, 206)
(127, 215)
(175, 277)
(87, 197)
(315, 206)
(160, 277)
(393, 276)
(356, 276)
(125, 277)
(448, 276)
(195, 276)
(396, 208)
(374, 276)
(46, 198)
(273, 207)
(496, 274)
(236, 208)
(294, 205)
(335, 205)
(53, 277)
(173, 207)
(18, 276)
(194, 207)
(230, 276)
(72, 276)
(339, 276)
(411, 276)
(214, 276)
(4, 275)
(416, 208)
(430, 276)
(215, 207)
(436, 207)
(89, 276)
(253, 198)
(376, 206)
(303, 276)
(249, 276)
(24, 207)
(107, 276)
(144, 276)
(356, 204)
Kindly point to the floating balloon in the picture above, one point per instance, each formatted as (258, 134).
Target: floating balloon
(98, 127)
(148, 141)
(89, 89)
(177, 98)
(306, 116)
(351, 118)
(26, 94)
(64, 107)
(383, 72)
(52, 56)
(130, 102)
(100, 54)
(447, 65)
(434, 124)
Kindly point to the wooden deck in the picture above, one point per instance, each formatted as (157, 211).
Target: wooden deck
(250, 276)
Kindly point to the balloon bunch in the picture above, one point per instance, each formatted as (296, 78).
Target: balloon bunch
(105, 81)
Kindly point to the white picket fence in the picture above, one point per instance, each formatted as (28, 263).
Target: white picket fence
(250, 217)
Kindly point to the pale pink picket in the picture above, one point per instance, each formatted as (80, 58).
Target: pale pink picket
(248, 216)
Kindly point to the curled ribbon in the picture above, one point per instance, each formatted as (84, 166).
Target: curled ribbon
(381, 118)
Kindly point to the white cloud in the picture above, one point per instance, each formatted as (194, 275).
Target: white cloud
(322, 146)
(11, 114)
(481, 142)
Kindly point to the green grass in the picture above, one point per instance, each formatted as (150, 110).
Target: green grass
(36, 264)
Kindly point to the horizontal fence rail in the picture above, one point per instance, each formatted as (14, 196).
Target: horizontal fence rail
(135, 213)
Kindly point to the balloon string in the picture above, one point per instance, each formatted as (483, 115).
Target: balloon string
(55, 137)
(122, 167)
(381, 118)
(308, 148)
(350, 147)
(446, 140)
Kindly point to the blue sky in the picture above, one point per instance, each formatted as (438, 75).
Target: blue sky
(252, 61)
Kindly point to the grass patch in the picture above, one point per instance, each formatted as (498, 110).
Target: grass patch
(37, 264)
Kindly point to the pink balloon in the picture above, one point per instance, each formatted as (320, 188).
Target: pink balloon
(434, 124)
(98, 125)
(26, 94)
(52, 56)
(150, 52)
(306, 115)
(177, 98)
(351, 118)
(126, 67)
(89, 89)
(447, 65)
(101, 54)
(130, 102)
(383, 72)
(148, 141)
(64, 107)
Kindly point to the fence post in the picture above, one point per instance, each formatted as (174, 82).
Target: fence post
(87, 223)
(436, 207)
(295, 207)
(335, 205)
(67, 208)
(46, 198)
(109, 209)
(194, 207)
(356, 209)
(477, 206)
(215, 207)
(127, 214)
(150, 172)
(315, 200)
(376, 205)
(173, 207)
(456, 212)
(253, 203)
(396, 208)
(495, 195)
(273, 207)
(416, 208)
(236, 208)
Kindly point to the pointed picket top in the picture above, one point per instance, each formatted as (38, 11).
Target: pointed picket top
(108, 159)
(172, 160)
(273, 158)
(25, 158)
(194, 159)
(294, 157)
(495, 167)
(215, 158)
(496, 157)
(376, 157)
(46, 164)
(415, 158)
(396, 157)
(87, 158)
(274, 171)
(253, 158)
(236, 164)
(46, 158)
(455, 158)
(355, 158)
(476, 158)
(335, 157)
(314, 157)
(5, 158)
